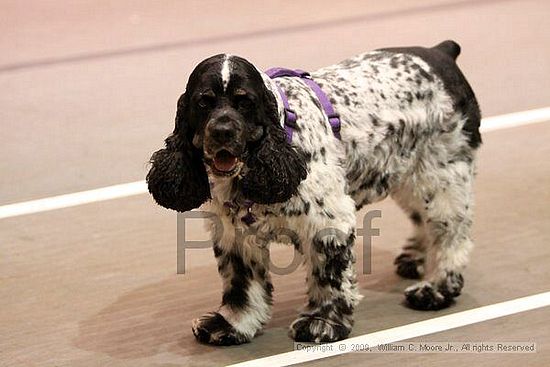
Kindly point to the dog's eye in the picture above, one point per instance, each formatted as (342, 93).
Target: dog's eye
(244, 103)
(206, 101)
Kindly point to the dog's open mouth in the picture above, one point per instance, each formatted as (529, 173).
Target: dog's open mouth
(225, 163)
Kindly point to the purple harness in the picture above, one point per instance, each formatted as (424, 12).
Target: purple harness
(290, 115)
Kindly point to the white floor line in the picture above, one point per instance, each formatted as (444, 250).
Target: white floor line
(74, 199)
(408, 331)
(515, 119)
(139, 187)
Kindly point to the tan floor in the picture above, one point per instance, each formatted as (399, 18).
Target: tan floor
(508, 329)
(89, 92)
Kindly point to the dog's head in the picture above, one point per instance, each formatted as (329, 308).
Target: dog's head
(227, 125)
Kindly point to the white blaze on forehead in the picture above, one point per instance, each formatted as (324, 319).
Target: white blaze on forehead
(226, 71)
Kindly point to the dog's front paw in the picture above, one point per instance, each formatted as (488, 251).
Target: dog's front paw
(452, 284)
(424, 296)
(212, 328)
(316, 329)
(430, 296)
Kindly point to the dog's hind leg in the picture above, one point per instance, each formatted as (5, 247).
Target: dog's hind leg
(247, 296)
(410, 263)
(447, 210)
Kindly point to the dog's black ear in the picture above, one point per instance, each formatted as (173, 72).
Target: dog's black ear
(275, 168)
(177, 179)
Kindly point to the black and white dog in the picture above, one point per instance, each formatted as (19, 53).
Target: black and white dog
(409, 129)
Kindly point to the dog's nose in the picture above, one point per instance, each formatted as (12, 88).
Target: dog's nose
(223, 132)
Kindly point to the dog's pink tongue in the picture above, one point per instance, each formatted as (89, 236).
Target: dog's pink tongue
(225, 162)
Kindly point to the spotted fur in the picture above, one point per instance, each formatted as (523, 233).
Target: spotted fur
(409, 130)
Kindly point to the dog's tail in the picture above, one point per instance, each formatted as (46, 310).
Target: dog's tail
(449, 48)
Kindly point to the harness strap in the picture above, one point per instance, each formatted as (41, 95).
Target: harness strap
(290, 115)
